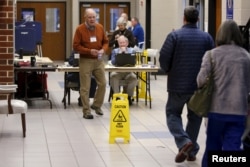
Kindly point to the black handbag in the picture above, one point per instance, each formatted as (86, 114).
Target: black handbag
(200, 101)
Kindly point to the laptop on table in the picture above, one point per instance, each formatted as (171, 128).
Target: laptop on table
(125, 59)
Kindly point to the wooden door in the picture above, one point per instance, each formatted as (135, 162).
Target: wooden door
(107, 15)
(98, 7)
(113, 12)
(52, 17)
(218, 14)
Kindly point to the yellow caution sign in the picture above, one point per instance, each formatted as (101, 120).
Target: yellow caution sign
(119, 119)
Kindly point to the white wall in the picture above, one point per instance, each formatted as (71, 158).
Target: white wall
(241, 11)
(166, 16)
(245, 12)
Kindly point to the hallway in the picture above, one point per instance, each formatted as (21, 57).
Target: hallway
(60, 137)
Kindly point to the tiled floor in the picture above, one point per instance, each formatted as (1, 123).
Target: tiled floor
(60, 137)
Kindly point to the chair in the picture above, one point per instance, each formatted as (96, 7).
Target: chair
(141, 45)
(153, 56)
(71, 79)
(72, 82)
(67, 87)
(13, 106)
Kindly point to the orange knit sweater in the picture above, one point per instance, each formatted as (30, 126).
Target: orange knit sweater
(82, 43)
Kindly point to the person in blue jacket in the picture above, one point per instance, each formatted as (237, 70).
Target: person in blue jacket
(180, 58)
(138, 32)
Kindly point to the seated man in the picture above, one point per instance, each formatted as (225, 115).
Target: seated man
(129, 77)
(74, 78)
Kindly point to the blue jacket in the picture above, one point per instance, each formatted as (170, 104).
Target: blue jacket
(138, 33)
(181, 57)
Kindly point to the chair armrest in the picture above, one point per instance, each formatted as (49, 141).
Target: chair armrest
(8, 88)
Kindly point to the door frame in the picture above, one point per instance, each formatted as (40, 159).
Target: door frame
(148, 24)
(214, 16)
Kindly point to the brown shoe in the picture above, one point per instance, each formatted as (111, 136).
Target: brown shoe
(183, 153)
(191, 158)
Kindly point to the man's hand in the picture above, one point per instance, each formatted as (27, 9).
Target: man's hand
(94, 52)
(123, 49)
(101, 51)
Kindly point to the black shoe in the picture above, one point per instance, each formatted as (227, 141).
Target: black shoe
(130, 101)
(79, 102)
(88, 116)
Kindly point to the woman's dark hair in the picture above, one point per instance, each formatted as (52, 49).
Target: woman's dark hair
(191, 14)
(229, 33)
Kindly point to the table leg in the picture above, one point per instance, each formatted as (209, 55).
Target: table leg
(149, 90)
(65, 90)
(44, 88)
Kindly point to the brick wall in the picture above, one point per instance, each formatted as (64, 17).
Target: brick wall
(6, 42)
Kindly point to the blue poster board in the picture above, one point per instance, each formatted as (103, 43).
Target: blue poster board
(37, 26)
(230, 9)
(27, 36)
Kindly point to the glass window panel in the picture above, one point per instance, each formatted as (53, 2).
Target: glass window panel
(52, 20)
(28, 14)
(114, 15)
(97, 10)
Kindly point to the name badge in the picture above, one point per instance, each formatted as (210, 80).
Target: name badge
(92, 39)
(76, 55)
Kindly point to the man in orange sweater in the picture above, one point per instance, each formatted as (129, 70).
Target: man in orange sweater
(90, 41)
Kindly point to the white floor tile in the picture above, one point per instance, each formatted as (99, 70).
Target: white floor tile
(60, 137)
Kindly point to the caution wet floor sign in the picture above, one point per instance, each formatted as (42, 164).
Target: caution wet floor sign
(119, 120)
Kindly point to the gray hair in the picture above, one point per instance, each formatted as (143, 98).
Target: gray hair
(120, 21)
(122, 37)
(229, 33)
(88, 11)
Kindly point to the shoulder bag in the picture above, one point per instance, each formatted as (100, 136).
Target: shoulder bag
(200, 101)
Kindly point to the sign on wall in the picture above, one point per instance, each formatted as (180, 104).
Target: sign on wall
(230, 9)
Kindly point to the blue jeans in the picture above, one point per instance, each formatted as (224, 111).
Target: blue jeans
(174, 108)
(224, 133)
